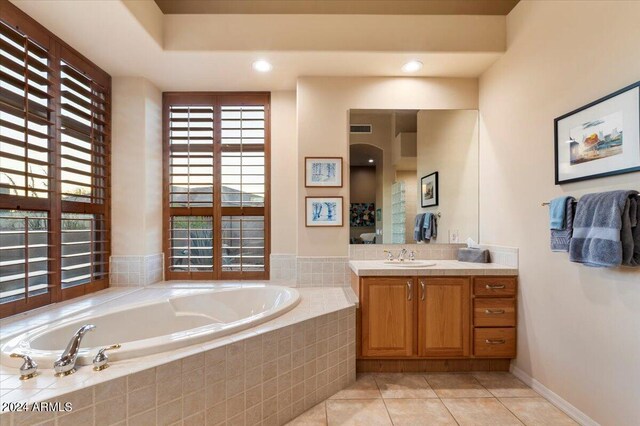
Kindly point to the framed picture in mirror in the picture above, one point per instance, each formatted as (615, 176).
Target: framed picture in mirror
(323, 211)
(429, 190)
(323, 172)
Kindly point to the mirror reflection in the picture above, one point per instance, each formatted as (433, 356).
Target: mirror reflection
(405, 163)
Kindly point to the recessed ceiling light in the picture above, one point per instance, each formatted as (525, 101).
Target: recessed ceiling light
(412, 66)
(262, 66)
(371, 160)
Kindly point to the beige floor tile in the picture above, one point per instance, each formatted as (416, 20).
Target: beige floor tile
(537, 412)
(504, 385)
(447, 385)
(480, 412)
(357, 412)
(418, 412)
(404, 386)
(316, 416)
(365, 387)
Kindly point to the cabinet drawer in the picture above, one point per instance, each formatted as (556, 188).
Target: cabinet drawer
(494, 342)
(494, 286)
(491, 312)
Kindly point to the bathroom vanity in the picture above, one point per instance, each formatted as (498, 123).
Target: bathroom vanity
(452, 316)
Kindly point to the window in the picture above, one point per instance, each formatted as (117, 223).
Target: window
(216, 185)
(54, 160)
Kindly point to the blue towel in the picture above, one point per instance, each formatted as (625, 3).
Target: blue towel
(557, 213)
(597, 228)
(561, 238)
(417, 230)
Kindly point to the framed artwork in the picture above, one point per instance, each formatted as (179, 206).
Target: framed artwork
(429, 190)
(362, 215)
(599, 139)
(323, 211)
(323, 172)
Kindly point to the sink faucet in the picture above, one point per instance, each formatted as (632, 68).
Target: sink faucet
(66, 364)
(389, 255)
(403, 252)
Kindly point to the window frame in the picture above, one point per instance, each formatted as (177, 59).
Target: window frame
(54, 206)
(217, 211)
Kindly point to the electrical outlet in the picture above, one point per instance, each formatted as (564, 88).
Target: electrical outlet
(454, 236)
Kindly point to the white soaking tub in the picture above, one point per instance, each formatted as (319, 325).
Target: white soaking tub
(166, 320)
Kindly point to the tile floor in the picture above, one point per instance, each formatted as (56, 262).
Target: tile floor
(399, 399)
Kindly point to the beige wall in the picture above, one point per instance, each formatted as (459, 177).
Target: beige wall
(579, 332)
(448, 144)
(284, 173)
(323, 116)
(136, 170)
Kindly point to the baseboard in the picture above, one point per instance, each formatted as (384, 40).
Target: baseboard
(554, 398)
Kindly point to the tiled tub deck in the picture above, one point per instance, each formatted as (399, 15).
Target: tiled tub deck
(266, 375)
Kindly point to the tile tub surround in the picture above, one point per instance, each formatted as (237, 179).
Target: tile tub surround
(327, 334)
(481, 399)
(323, 272)
(372, 268)
(136, 270)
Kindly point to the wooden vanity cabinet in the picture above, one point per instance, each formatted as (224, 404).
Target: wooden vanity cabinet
(388, 312)
(443, 317)
(437, 318)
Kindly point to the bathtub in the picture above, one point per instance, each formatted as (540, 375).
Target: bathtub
(165, 320)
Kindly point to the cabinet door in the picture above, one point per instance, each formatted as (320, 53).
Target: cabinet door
(388, 320)
(443, 317)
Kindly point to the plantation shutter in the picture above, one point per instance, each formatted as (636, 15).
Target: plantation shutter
(216, 191)
(54, 168)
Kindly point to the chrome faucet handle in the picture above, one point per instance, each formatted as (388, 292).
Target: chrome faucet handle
(66, 364)
(412, 255)
(101, 360)
(29, 367)
(389, 255)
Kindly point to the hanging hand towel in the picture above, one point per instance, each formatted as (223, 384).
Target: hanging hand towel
(558, 213)
(560, 238)
(417, 229)
(596, 229)
(630, 234)
(427, 227)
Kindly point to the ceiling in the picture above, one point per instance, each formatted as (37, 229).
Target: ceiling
(134, 38)
(339, 7)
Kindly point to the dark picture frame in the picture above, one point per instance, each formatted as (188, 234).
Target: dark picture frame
(577, 149)
(433, 190)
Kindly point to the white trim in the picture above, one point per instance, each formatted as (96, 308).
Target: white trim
(553, 398)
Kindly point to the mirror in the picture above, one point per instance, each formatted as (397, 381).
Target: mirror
(407, 162)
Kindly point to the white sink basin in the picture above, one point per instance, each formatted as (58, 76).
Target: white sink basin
(410, 263)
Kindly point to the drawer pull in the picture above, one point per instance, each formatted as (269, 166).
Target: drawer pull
(494, 286)
(410, 289)
(494, 311)
(422, 290)
(495, 341)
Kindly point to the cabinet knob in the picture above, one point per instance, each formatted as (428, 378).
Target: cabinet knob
(410, 290)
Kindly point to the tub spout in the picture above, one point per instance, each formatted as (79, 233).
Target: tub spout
(66, 364)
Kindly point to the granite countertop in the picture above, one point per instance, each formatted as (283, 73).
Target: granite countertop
(377, 268)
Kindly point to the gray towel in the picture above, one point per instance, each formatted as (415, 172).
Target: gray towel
(597, 229)
(417, 230)
(630, 234)
(560, 239)
(430, 228)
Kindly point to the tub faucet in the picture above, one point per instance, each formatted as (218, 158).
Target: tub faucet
(66, 364)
